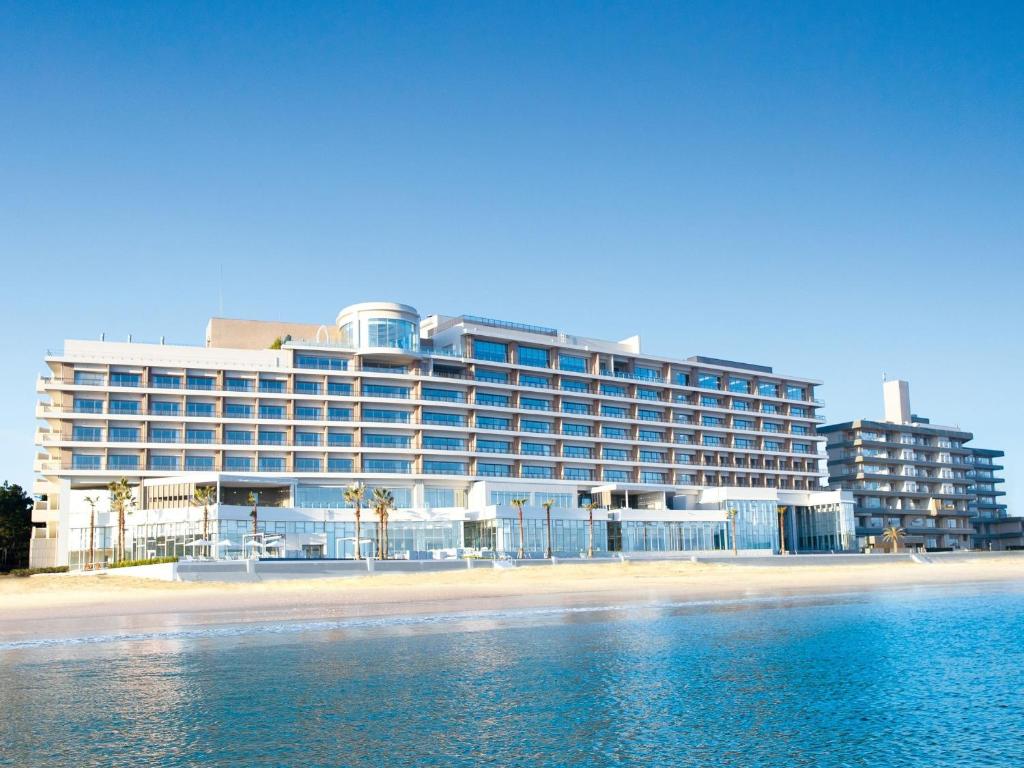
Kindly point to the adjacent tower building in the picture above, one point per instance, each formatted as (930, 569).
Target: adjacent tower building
(905, 471)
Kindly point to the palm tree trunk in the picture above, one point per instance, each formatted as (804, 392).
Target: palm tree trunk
(358, 533)
(548, 553)
(735, 546)
(590, 535)
(120, 533)
(92, 538)
(380, 535)
(522, 536)
(385, 555)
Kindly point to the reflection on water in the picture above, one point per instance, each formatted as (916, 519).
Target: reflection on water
(906, 678)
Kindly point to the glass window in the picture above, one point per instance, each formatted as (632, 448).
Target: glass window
(271, 464)
(271, 411)
(528, 425)
(85, 461)
(545, 473)
(613, 389)
(446, 395)
(439, 497)
(163, 435)
(339, 414)
(199, 409)
(118, 379)
(165, 381)
(490, 350)
(576, 473)
(307, 387)
(618, 433)
(384, 390)
(444, 419)
(122, 461)
(308, 413)
(576, 429)
(123, 434)
(199, 382)
(577, 452)
(432, 467)
(650, 435)
(494, 470)
(492, 422)
(795, 392)
(572, 385)
(89, 378)
(390, 466)
(536, 449)
(444, 443)
(739, 385)
(709, 381)
(238, 410)
(124, 406)
(498, 377)
(493, 446)
(271, 438)
(652, 477)
(767, 389)
(237, 437)
(307, 464)
(343, 388)
(710, 402)
(571, 407)
(613, 411)
(321, 363)
(572, 363)
(531, 380)
(534, 404)
(393, 333)
(712, 440)
(307, 438)
(198, 435)
(647, 373)
(163, 463)
(617, 475)
(339, 439)
(238, 463)
(235, 384)
(386, 441)
(534, 356)
(89, 434)
(376, 414)
(335, 464)
(489, 398)
(83, 405)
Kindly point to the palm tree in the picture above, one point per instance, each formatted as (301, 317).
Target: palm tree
(547, 513)
(203, 497)
(590, 507)
(893, 535)
(781, 512)
(731, 515)
(382, 501)
(254, 499)
(354, 495)
(121, 501)
(92, 501)
(519, 504)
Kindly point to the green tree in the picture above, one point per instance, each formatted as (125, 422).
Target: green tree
(382, 502)
(121, 502)
(254, 499)
(355, 494)
(15, 526)
(892, 536)
(519, 504)
(204, 496)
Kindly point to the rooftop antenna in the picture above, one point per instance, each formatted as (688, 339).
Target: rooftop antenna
(884, 378)
(103, 336)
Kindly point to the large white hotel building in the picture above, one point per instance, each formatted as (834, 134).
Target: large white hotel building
(456, 416)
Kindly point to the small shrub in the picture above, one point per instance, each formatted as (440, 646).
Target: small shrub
(149, 561)
(33, 571)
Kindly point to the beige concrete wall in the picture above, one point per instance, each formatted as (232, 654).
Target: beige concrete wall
(233, 333)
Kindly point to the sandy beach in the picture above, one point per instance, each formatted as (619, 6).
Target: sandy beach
(72, 606)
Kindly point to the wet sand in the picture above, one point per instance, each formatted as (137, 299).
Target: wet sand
(53, 606)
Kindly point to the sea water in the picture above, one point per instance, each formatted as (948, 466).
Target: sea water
(909, 677)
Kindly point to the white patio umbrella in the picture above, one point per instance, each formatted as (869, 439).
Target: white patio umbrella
(199, 543)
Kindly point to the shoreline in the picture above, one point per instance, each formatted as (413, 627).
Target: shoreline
(60, 606)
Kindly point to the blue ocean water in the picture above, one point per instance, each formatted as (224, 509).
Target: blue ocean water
(915, 677)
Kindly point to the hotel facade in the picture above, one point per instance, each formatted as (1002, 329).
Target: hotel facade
(456, 416)
(906, 472)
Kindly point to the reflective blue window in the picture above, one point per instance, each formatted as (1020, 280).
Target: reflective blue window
(238, 410)
(339, 388)
(656, 457)
(534, 356)
(199, 409)
(307, 464)
(339, 439)
(308, 413)
(768, 389)
(89, 378)
(613, 389)
(572, 385)
(198, 435)
(577, 452)
(739, 385)
(164, 435)
(499, 377)
(444, 419)
(163, 463)
(616, 475)
(200, 382)
(488, 398)
(494, 470)
(529, 425)
(124, 406)
(385, 441)
(575, 473)
(237, 437)
(619, 433)
(647, 373)
(536, 449)
(308, 387)
(80, 461)
(321, 363)
(531, 380)
(576, 429)
(544, 473)
(124, 379)
(233, 384)
(492, 422)
(534, 404)
(711, 440)
(490, 350)
(273, 386)
(444, 467)
(393, 333)
(570, 407)
(238, 464)
(271, 411)
(795, 392)
(339, 414)
(339, 465)
(271, 438)
(271, 464)
(614, 411)
(650, 435)
(90, 434)
(709, 381)
(493, 446)
(386, 465)
(384, 390)
(444, 443)
(652, 477)
(572, 363)
(308, 439)
(122, 461)
(164, 408)
(444, 395)
(616, 454)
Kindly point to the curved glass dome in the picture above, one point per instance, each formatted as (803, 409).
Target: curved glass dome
(392, 332)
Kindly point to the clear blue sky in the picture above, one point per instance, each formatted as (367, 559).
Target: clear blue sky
(834, 191)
